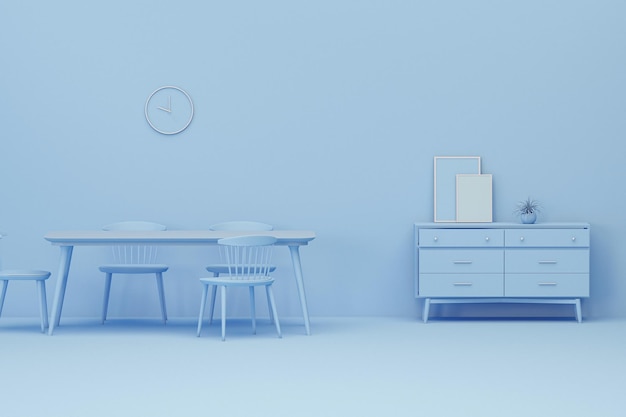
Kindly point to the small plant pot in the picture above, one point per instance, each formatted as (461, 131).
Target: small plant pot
(528, 218)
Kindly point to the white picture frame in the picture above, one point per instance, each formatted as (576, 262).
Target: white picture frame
(474, 198)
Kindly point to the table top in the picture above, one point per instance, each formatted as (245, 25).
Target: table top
(169, 237)
(502, 225)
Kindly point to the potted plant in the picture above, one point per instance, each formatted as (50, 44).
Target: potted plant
(527, 210)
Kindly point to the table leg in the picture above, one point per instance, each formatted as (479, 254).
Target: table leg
(297, 269)
(59, 293)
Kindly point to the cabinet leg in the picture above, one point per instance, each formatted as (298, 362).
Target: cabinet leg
(579, 315)
(426, 309)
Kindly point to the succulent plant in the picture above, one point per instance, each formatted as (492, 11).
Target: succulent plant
(527, 206)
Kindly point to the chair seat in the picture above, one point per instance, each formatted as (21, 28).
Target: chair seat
(24, 274)
(134, 268)
(223, 268)
(39, 277)
(234, 281)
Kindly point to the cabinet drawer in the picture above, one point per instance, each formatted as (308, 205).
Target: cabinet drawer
(461, 237)
(546, 261)
(565, 238)
(461, 285)
(461, 260)
(546, 285)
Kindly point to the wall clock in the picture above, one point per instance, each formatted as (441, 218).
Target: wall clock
(169, 110)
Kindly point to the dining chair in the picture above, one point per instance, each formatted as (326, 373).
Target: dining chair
(248, 260)
(134, 260)
(39, 277)
(221, 268)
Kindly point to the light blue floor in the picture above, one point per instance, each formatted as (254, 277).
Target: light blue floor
(348, 367)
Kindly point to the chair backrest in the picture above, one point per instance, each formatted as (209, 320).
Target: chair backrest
(247, 257)
(242, 225)
(134, 254)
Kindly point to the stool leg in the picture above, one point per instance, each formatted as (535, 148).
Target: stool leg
(272, 303)
(205, 290)
(223, 291)
(107, 291)
(212, 306)
(213, 295)
(253, 309)
(159, 278)
(267, 293)
(5, 284)
(43, 305)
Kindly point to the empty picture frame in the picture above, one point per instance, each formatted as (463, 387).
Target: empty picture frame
(474, 198)
(446, 170)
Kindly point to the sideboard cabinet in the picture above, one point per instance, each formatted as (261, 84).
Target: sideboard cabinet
(502, 262)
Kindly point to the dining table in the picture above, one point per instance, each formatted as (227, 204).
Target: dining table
(68, 239)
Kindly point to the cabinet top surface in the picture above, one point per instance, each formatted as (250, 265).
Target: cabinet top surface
(498, 225)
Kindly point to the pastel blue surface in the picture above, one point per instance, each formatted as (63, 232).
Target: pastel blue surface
(446, 368)
(344, 104)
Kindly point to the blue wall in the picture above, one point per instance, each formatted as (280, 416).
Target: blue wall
(319, 115)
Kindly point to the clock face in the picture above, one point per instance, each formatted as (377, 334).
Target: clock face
(169, 110)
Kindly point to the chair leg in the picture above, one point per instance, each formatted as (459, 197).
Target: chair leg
(212, 307)
(223, 312)
(159, 279)
(205, 290)
(43, 305)
(252, 309)
(107, 292)
(5, 285)
(270, 299)
(267, 288)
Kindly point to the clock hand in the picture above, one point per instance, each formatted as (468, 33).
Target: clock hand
(169, 105)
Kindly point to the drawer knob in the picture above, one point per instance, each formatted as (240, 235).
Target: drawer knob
(487, 239)
(574, 239)
(435, 238)
(521, 238)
